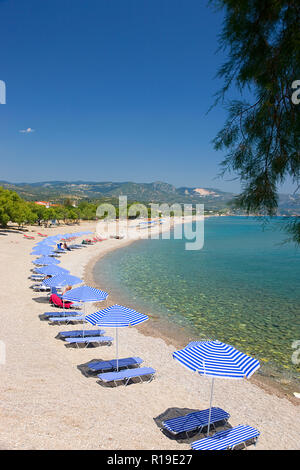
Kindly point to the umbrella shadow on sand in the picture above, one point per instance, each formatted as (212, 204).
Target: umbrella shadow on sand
(42, 317)
(84, 368)
(55, 325)
(7, 230)
(183, 438)
(133, 381)
(87, 372)
(41, 300)
(83, 345)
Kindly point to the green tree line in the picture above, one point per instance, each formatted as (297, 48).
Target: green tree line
(16, 210)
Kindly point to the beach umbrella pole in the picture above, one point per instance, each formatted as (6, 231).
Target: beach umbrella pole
(64, 313)
(210, 403)
(117, 350)
(84, 319)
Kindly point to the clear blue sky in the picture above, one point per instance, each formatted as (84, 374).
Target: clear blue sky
(114, 90)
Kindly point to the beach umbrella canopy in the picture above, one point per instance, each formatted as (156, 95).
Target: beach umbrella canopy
(69, 235)
(42, 244)
(49, 240)
(85, 294)
(51, 270)
(42, 251)
(116, 316)
(62, 280)
(193, 343)
(46, 242)
(216, 359)
(46, 260)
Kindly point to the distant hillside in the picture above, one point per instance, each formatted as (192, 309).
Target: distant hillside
(159, 192)
(289, 204)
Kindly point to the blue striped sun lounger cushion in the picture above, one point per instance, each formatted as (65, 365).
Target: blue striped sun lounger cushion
(82, 333)
(61, 314)
(227, 439)
(66, 319)
(126, 374)
(90, 339)
(195, 420)
(111, 365)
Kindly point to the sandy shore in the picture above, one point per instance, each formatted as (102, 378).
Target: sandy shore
(47, 403)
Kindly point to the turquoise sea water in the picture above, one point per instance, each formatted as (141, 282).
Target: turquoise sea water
(241, 288)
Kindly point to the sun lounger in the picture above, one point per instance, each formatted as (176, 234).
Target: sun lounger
(41, 288)
(195, 421)
(81, 333)
(66, 319)
(61, 314)
(42, 234)
(228, 439)
(56, 301)
(37, 277)
(90, 339)
(112, 365)
(28, 237)
(127, 374)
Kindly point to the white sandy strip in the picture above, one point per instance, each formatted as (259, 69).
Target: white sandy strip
(46, 403)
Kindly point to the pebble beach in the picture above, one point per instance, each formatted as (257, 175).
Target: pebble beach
(47, 402)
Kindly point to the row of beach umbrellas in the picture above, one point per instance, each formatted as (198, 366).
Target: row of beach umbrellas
(115, 316)
(207, 358)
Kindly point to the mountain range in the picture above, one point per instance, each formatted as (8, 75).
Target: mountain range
(159, 192)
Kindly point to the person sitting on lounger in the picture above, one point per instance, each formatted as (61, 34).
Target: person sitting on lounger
(66, 247)
(58, 302)
(66, 290)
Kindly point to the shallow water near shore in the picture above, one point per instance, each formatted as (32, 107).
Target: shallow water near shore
(241, 288)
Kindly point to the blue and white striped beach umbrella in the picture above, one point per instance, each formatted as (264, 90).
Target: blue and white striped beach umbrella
(45, 261)
(62, 280)
(116, 316)
(46, 242)
(42, 250)
(51, 270)
(216, 359)
(85, 294)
